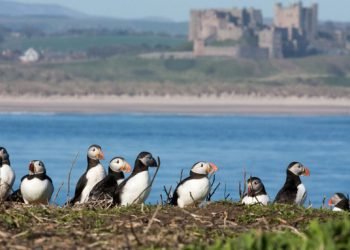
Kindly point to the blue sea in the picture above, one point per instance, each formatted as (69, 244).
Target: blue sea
(262, 145)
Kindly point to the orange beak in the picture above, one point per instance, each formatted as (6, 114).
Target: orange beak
(306, 171)
(31, 167)
(213, 168)
(101, 155)
(249, 188)
(330, 202)
(126, 168)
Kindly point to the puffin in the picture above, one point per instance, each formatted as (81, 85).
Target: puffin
(94, 173)
(136, 188)
(256, 192)
(105, 189)
(339, 202)
(293, 190)
(7, 175)
(36, 187)
(194, 188)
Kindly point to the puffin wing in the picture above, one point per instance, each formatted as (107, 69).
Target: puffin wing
(16, 196)
(117, 192)
(175, 194)
(106, 186)
(286, 195)
(79, 189)
(48, 177)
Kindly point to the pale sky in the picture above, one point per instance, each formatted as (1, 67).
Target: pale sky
(178, 10)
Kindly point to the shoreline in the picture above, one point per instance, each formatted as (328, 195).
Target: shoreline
(191, 105)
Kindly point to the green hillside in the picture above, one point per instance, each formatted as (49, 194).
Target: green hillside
(320, 76)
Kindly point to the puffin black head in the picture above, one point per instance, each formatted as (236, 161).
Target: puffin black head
(119, 164)
(4, 156)
(255, 186)
(36, 167)
(95, 152)
(298, 169)
(338, 198)
(204, 168)
(147, 159)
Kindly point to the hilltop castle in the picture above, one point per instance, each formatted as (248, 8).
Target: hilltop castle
(242, 33)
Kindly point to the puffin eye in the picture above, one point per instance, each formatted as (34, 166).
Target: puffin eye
(202, 165)
(117, 161)
(94, 149)
(255, 182)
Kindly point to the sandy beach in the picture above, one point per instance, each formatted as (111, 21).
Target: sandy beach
(177, 105)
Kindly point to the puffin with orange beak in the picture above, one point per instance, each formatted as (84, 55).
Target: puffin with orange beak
(256, 192)
(105, 189)
(293, 190)
(36, 187)
(196, 187)
(339, 202)
(136, 188)
(94, 173)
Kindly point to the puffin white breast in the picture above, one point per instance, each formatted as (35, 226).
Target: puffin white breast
(192, 190)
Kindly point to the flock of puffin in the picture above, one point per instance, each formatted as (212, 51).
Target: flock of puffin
(96, 185)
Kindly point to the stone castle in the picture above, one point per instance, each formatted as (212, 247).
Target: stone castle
(242, 32)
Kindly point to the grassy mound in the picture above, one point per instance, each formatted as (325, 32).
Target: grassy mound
(219, 225)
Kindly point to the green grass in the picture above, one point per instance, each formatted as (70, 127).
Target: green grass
(171, 70)
(331, 235)
(209, 70)
(85, 42)
(132, 75)
(324, 65)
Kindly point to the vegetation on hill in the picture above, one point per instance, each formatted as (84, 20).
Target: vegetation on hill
(219, 225)
(85, 42)
(131, 75)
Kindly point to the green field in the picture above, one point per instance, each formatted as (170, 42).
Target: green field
(68, 43)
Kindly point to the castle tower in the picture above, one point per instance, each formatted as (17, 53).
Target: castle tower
(194, 25)
(298, 18)
(289, 18)
(314, 21)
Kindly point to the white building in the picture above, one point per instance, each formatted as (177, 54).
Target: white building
(30, 56)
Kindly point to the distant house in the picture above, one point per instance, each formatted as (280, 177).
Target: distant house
(30, 56)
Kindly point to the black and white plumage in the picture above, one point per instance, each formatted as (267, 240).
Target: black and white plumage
(105, 189)
(16, 196)
(7, 175)
(136, 188)
(94, 173)
(339, 202)
(36, 187)
(293, 190)
(194, 188)
(256, 193)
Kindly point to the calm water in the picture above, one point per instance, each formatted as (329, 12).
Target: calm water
(264, 146)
